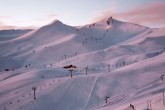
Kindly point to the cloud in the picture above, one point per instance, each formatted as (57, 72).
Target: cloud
(4, 26)
(4, 17)
(7, 27)
(1, 23)
(151, 14)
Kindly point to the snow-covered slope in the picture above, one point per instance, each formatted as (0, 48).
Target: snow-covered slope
(124, 61)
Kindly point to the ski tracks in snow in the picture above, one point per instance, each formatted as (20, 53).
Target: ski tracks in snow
(78, 94)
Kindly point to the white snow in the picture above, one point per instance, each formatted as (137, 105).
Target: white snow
(135, 55)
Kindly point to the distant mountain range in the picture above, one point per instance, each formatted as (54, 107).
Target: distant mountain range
(10, 34)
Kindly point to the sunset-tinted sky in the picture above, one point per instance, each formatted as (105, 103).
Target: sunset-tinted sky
(36, 13)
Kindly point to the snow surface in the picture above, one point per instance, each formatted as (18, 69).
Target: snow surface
(124, 61)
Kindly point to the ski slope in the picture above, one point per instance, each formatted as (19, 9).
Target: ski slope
(124, 61)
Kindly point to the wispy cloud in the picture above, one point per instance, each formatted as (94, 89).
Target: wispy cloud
(4, 26)
(151, 14)
(4, 17)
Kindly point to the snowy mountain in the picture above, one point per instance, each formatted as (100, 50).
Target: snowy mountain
(120, 60)
(11, 34)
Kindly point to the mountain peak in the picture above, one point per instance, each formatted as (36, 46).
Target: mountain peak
(106, 22)
(56, 21)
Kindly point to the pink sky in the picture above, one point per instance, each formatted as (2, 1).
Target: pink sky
(26, 14)
(152, 14)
